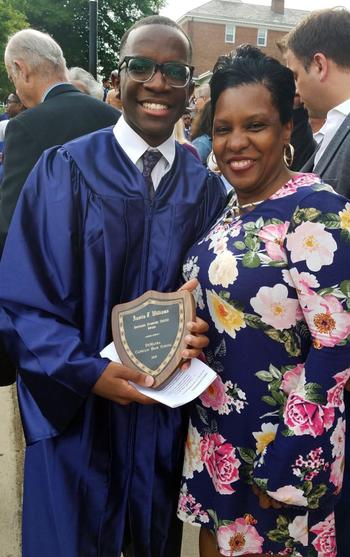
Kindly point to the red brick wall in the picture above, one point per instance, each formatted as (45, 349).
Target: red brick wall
(208, 41)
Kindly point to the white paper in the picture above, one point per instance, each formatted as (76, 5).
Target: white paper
(180, 388)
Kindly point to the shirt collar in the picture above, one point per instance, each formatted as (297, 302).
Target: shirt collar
(335, 117)
(53, 87)
(134, 146)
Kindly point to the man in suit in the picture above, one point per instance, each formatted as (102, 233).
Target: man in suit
(58, 112)
(318, 52)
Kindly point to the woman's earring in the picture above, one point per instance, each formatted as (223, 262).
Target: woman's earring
(288, 154)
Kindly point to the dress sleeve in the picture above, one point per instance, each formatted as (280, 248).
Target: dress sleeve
(304, 465)
(40, 292)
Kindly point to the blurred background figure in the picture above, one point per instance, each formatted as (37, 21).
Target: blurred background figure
(13, 107)
(106, 84)
(187, 122)
(113, 97)
(85, 82)
(201, 132)
(180, 137)
(201, 96)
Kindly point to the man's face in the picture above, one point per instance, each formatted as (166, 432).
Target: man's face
(153, 107)
(13, 106)
(307, 85)
(186, 118)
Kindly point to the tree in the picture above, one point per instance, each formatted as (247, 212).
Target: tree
(12, 19)
(68, 22)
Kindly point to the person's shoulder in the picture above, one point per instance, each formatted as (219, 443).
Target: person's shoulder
(311, 189)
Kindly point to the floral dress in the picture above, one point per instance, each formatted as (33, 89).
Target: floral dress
(275, 289)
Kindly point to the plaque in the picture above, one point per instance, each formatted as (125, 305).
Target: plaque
(149, 332)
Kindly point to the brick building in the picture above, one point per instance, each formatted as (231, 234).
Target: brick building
(219, 26)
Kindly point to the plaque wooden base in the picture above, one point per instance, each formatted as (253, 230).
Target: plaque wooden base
(149, 332)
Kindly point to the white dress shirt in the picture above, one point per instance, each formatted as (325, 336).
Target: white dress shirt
(3, 125)
(134, 146)
(335, 118)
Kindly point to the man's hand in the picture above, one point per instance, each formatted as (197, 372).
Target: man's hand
(114, 385)
(196, 339)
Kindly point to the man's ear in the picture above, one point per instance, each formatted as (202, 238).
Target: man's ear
(21, 68)
(321, 64)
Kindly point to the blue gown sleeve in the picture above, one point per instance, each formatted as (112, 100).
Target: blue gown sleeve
(213, 204)
(42, 313)
(304, 465)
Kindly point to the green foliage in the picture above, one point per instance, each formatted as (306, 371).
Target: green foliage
(68, 22)
(12, 19)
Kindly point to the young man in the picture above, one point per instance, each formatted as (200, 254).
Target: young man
(95, 227)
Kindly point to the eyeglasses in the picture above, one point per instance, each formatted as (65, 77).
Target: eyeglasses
(143, 69)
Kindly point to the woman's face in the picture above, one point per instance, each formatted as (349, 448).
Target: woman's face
(248, 141)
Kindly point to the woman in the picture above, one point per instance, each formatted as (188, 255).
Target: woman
(265, 450)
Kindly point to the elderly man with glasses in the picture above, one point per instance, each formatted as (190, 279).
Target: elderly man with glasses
(100, 221)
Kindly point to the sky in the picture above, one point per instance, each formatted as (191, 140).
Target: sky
(176, 8)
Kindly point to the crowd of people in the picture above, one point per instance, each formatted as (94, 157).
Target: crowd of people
(110, 191)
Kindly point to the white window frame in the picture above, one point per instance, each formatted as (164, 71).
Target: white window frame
(261, 39)
(230, 31)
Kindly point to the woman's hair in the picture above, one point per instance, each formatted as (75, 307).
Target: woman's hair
(249, 66)
(202, 122)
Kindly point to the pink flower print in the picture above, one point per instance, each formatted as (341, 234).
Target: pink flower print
(325, 542)
(302, 282)
(188, 509)
(273, 235)
(335, 395)
(220, 461)
(307, 418)
(239, 538)
(218, 243)
(329, 324)
(274, 306)
(310, 242)
(337, 473)
(291, 378)
(290, 495)
(298, 529)
(338, 438)
(292, 185)
(215, 395)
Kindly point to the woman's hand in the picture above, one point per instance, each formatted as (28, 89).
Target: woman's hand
(196, 339)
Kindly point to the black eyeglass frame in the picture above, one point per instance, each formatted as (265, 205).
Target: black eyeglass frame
(157, 67)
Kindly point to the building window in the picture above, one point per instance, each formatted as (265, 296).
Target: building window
(230, 33)
(262, 37)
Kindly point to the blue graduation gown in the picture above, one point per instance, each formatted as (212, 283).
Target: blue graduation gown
(84, 237)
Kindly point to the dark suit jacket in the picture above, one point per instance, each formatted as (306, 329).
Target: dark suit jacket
(334, 164)
(65, 114)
